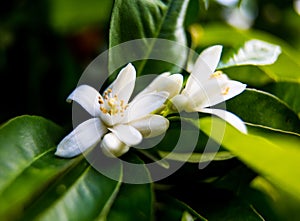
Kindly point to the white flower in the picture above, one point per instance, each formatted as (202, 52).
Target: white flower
(126, 123)
(206, 88)
(171, 83)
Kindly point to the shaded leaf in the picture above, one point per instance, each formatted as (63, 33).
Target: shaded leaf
(286, 91)
(134, 201)
(136, 19)
(36, 178)
(169, 208)
(261, 108)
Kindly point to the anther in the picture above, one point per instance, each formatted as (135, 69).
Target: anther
(103, 110)
(112, 102)
(225, 92)
(100, 100)
(217, 74)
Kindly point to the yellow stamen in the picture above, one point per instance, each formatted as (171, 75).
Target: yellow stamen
(225, 92)
(217, 74)
(112, 102)
(104, 110)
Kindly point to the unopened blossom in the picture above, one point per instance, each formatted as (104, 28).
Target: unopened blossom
(206, 87)
(117, 123)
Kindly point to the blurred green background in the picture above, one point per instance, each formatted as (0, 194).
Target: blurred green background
(46, 45)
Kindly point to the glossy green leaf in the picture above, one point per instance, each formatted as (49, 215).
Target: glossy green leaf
(134, 201)
(90, 195)
(276, 163)
(253, 52)
(37, 185)
(134, 19)
(24, 140)
(286, 91)
(234, 38)
(48, 187)
(261, 108)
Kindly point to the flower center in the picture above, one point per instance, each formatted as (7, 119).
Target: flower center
(111, 104)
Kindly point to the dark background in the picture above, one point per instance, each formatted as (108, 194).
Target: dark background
(46, 45)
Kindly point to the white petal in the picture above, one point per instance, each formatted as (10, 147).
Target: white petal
(154, 86)
(220, 92)
(175, 85)
(112, 146)
(164, 82)
(84, 136)
(227, 116)
(205, 65)
(144, 105)
(106, 118)
(124, 84)
(151, 125)
(127, 134)
(181, 102)
(87, 97)
(235, 88)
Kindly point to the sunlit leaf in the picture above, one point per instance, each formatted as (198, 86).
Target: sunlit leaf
(234, 38)
(268, 159)
(196, 157)
(253, 52)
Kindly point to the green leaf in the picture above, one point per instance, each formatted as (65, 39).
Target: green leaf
(268, 159)
(234, 38)
(186, 216)
(253, 52)
(90, 195)
(206, 4)
(261, 108)
(212, 203)
(170, 208)
(70, 15)
(134, 201)
(134, 19)
(280, 206)
(286, 91)
(196, 157)
(33, 178)
(37, 185)
(23, 141)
